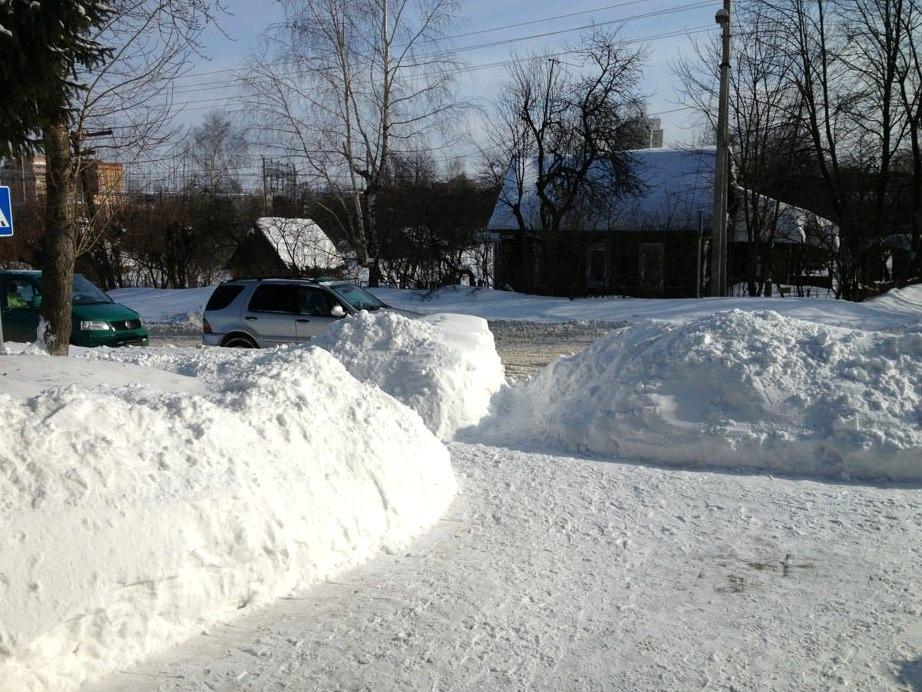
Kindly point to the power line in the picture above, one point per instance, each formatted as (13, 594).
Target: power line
(185, 88)
(690, 31)
(195, 75)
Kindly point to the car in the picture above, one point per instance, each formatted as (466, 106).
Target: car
(259, 313)
(97, 320)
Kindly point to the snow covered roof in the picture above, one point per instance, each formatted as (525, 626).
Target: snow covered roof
(300, 243)
(676, 185)
(785, 224)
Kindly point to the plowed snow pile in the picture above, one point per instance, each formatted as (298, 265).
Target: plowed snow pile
(444, 367)
(137, 515)
(742, 390)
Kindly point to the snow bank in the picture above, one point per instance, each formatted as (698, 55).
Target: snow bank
(908, 299)
(507, 305)
(444, 367)
(174, 306)
(736, 389)
(134, 516)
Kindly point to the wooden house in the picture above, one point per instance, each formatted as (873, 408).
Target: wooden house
(654, 242)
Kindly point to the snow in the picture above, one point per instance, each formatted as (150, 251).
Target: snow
(300, 243)
(140, 507)
(740, 390)
(676, 184)
(554, 572)
(174, 306)
(900, 306)
(882, 313)
(676, 188)
(900, 300)
(150, 492)
(444, 367)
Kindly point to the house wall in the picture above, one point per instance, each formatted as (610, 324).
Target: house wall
(641, 264)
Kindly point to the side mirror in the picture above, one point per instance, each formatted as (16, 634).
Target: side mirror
(337, 311)
(36, 302)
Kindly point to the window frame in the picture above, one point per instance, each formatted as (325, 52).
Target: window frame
(296, 305)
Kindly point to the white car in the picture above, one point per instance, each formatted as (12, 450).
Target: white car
(258, 313)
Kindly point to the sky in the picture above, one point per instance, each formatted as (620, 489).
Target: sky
(209, 85)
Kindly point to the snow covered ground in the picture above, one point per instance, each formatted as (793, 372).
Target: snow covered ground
(553, 572)
(185, 306)
(549, 570)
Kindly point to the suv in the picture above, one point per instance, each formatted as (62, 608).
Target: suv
(97, 320)
(255, 313)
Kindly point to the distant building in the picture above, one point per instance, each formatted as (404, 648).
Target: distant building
(276, 246)
(653, 243)
(105, 182)
(25, 176)
(652, 134)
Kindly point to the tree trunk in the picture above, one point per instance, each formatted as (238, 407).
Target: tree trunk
(60, 240)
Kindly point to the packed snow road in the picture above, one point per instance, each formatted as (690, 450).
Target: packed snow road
(565, 573)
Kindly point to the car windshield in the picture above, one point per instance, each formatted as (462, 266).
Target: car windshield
(87, 293)
(358, 298)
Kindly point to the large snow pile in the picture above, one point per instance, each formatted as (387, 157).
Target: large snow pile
(444, 367)
(743, 390)
(134, 516)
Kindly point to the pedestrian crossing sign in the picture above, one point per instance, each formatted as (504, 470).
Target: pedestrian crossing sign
(6, 213)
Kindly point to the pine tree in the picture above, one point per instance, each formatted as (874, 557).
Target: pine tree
(43, 44)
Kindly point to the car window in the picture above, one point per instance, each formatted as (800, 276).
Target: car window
(87, 293)
(275, 298)
(20, 294)
(223, 296)
(316, 301)
(357, 297)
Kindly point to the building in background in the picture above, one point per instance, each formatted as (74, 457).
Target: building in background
(25, 177)
(104, 184)
(652, 134)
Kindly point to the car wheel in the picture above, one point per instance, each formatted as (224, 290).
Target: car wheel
(239, 341)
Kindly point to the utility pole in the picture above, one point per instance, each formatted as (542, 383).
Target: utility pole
(722, 168)
(265, 188)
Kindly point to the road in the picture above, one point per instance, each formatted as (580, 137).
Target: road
(523, 347)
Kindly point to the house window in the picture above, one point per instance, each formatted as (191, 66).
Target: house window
(650, 267)
(597, 266)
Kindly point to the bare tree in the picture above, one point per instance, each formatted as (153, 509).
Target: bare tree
(217, 150)
(351, 81)
(910, 97)
(572, 123)
(765, 122)
(846, 68)
(124, 109)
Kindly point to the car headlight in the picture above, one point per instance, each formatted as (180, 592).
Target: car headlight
(93, 326)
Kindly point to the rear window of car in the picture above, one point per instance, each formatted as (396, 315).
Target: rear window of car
(275, 298)
(222, 297)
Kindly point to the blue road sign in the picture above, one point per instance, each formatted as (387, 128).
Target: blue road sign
(6, 212)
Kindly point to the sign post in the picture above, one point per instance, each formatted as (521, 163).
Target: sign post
(6, 231)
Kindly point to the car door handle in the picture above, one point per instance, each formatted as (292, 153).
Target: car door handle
(303, 320)
(251, 318)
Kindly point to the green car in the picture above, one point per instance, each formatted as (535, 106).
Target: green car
(97, 320)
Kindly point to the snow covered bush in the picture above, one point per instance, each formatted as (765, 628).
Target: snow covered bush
(136, 515)
(444, 367)
(736, 389)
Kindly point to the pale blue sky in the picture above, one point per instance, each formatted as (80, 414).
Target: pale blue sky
(252, 17)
